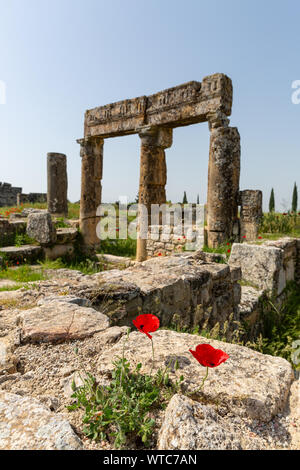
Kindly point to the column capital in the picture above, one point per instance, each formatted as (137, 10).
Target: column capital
(89, 144)
(217, 119)
(156, 136)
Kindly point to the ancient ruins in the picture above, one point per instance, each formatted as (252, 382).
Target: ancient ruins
(57, 180)
(10, 196)
(153, 119)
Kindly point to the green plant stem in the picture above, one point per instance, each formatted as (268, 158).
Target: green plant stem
(205, 377)
(152, 356)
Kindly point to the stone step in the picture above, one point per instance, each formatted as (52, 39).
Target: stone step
(24, 253)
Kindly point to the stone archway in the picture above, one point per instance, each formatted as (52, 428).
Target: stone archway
(153, 119)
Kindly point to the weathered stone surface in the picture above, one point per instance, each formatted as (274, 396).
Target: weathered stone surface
(181, 105)
(189, 425)
(57, 251)
(268, 266)
(112, 259)
(60, 321)
(26, 424)
(66, 235)
(223, 184)
(247, 384)
(8, 361)
(250, 214)
(57, 184)
(249, 309)
(27, 253)
(41, 228)
(179, 289)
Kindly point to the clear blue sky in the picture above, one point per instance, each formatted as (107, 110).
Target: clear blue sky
(61, 57)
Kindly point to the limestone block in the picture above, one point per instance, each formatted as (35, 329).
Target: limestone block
(41, 228)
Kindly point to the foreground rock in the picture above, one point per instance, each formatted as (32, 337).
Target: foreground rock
(8, 361)
(189, 425)
(247, 384)
(26, 424)
(60, 321)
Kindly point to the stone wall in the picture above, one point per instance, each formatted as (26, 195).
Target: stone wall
(166, 240)
(31, 198)
(12, 196)
(8, 194)
(181, 290)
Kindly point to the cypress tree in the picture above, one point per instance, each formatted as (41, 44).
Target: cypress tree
(272, 201)
(184, 201)
(198, 200)
(295, 199)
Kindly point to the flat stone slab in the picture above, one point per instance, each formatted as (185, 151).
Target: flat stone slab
(27, 253)
(26, 424)
(60, 321)
(66, 235)
(247, 384)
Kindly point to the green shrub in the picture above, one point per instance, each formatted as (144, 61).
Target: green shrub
(121, 410)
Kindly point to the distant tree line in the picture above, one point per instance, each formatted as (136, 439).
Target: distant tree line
(294, 200)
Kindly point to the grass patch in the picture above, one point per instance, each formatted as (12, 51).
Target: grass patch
(276, 225)
(22, 274)
(118, 247)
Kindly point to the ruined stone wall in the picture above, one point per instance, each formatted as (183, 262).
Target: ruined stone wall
(8, 194)
(180, 290)
(165, 240)
(31, 198)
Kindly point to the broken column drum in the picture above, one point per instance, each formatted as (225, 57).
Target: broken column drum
(57, 180)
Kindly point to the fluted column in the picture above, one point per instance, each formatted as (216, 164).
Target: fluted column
(223, 180)
(153, 178)
(91, 153)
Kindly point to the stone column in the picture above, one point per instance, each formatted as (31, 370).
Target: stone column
(223, 180)
(57, 180)
(153, 178)
(251, 213)
(91, 153)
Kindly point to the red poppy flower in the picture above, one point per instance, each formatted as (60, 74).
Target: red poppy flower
(184, 236)
(158, 254)
(117, 229)
(208, 356)
(260, 238)
(228, 251)
(146, 323)
(18, 262)
(244, 236)
(227, 243)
